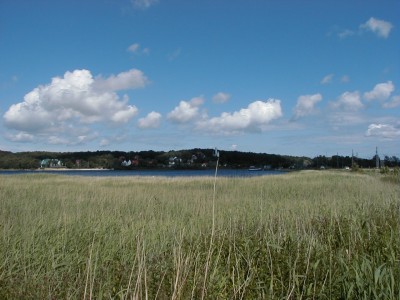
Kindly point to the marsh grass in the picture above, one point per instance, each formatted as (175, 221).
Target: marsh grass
(310, 235)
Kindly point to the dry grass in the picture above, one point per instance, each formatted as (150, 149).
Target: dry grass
(322, 235)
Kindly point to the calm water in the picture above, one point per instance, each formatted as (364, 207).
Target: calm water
(165, 173)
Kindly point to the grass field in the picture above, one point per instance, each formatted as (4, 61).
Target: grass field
(309, 235)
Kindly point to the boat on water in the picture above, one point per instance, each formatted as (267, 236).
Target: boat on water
(253, 168)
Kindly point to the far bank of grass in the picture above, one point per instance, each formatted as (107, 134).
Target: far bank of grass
(323, 235)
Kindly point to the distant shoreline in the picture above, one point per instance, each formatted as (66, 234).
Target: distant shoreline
(68, 169)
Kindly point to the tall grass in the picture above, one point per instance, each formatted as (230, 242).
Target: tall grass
(310, 235)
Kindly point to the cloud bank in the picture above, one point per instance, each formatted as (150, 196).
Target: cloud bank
(69, 104)
(76, 108)
(386, 131)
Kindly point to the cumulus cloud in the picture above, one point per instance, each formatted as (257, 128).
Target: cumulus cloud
(152, 120)
(256, 116)
(381, 92)
(74, 100)
(124, 115)
(186, 111)
(348, 101)
(221, 97)
(386, 131)
(379, 27)
(306, 105)
(327, 79)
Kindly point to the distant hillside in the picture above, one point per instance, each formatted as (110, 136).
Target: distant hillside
(185, 159)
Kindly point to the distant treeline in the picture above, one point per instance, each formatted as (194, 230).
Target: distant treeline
(192, 158)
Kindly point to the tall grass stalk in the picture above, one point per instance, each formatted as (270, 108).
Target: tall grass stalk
(210, 249)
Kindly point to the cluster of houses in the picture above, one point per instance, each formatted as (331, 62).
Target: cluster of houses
(177, 161)
(197, 160)
(127, 163)
(51, 163)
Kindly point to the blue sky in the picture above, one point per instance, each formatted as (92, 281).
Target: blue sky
(284, 77)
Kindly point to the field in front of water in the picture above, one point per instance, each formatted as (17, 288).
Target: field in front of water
(313, 234)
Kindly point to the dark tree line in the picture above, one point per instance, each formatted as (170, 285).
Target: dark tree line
(192, 158)
(340, 162)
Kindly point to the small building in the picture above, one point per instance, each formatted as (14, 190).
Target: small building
(51, 163)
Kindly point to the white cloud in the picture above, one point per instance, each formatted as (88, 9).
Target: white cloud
(186, 111)
(346, 33)
(327, 79)
(221, 97)
(21, 137)
(63, 107)
(152, 120)
(137, 49)
(394, 103)
(124, 115)
(340, 119)
(131, 79)
(134, 48)
(380, 27)
(348, 101)
(143, 4)
(256, 116)
(114, 139)
(386, 131)
(57, 140)
(305, 105)
(104, 142)
(381, 91)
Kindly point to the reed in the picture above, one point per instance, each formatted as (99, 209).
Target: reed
(322, 235)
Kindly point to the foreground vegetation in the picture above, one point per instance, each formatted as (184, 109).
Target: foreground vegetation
(322, 235)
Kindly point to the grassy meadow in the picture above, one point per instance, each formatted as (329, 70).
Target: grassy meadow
(303, 235)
